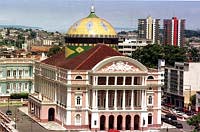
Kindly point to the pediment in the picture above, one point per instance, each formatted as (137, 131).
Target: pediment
(119, 64)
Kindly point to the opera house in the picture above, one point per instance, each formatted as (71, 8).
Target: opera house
(98, 89)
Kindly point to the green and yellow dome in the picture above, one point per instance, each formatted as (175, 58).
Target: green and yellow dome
(92, 26)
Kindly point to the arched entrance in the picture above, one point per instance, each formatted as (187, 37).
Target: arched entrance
(128, 122)
(111, 122)
(136, 122)
(51, 114)
(119, 122)
(102, 122)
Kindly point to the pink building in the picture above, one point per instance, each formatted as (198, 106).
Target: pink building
(100, 89)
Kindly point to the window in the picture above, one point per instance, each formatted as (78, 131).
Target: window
(149, 118)
(150, 100)
(111, 81)
(101, 80)
(150, 77)
(26, 71)
(8, 73)
(78, 78)
(78, 119)
(14, 73)
(78, 100)
(20, 73)
(95, 122)
(119, 80)
(128, 80)
(137, 81)
(8, 88)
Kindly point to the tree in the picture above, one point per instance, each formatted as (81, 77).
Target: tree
(54, 50)
(193, 100)
(195, 121)
(150, 54)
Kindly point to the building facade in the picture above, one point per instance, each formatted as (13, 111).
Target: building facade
(174, 32)
(16, 75)
(149, 29)
(97, 90)
(128, 46)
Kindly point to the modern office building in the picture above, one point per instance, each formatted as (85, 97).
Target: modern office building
(149, 29)
(97, 90)
(16, 75)
(174, 32)
(173, 86)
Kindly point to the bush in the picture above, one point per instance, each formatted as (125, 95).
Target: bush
(19, 96)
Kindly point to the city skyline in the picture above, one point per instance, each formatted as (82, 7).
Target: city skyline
(61, 14)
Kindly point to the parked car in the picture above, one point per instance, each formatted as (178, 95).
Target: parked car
(8, 112)
(169, 115)
(179, 125)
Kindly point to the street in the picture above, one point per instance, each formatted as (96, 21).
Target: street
(23, 122)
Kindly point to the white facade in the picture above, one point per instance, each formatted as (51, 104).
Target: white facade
(130, 45)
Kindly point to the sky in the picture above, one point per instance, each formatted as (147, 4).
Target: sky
(59, 15)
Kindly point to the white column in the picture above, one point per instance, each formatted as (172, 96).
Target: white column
(96, 100)
(86, 99)
(115, 80)
(123, 100)
(142, 102)
(132, 81)
(124, 80)
(132, 99)
(68, 116)
(115, 102)
(93, 99)
(106, 99)
(106, 80)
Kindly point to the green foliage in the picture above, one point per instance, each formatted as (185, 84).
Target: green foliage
(195, 121)
(150, 54)
(193, 99)
(54, 50)
(19, 96)
(192, 33)
(193, 55)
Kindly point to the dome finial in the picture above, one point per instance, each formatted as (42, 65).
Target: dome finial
(92, 9)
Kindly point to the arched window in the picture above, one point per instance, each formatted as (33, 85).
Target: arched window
(149, 118)
(150, 100)
(78, 100)
(78, 78)
(78, 119)
(150, 88)
(150, 77)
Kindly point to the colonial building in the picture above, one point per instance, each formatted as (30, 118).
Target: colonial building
(16, 75)
(99, 89)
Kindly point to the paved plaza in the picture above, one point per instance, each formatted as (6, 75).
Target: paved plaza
(26, 124)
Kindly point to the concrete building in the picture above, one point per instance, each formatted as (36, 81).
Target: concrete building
(173, 86)
(96, 90)
(16, 75)
(128, 46)
(191, 80)
(174, 32)
(182, 81)
(149, 29)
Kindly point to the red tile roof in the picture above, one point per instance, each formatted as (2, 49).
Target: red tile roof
(85, 61)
